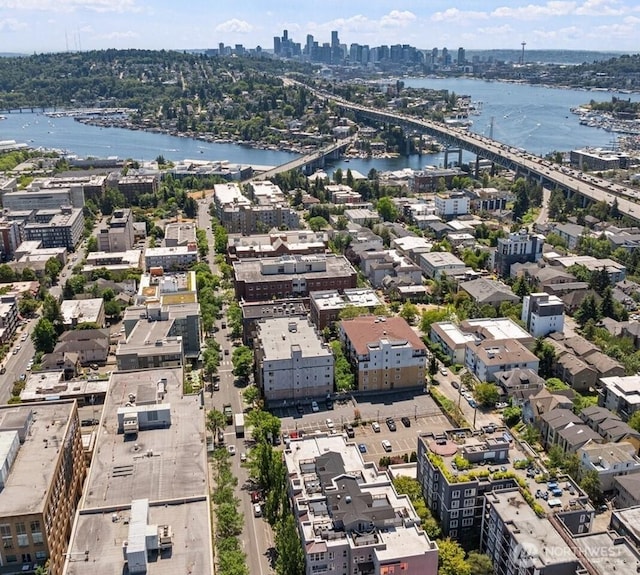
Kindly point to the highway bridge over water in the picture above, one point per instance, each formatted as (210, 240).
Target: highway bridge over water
(548, 174)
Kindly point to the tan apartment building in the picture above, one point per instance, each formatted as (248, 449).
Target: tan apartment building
(387, 353)
(43, 471)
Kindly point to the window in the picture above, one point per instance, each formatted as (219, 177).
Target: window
(467, 512)
(41, 555)
(455, 494)
(469, 492)
(7, 538)
(469, 502)
(21, 532)
(453, 533)
(467, 522)
(36, 533)
(453, 514)
(453, 523)
(455, 504)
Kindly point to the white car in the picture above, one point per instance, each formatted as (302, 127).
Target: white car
(243, 456)
(329, 423)
(231, 449)
(314, 407)
(376, 427)
(24, 337)
(257, 510)
(444, 371)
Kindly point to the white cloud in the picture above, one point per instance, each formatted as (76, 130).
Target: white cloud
(455, 15)
(12, 25)
(535, 11)
(601, 8)
(397, 19)
(235, 26)
(494, 31)
(71, 5)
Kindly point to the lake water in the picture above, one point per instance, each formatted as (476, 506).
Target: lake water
(535, 118)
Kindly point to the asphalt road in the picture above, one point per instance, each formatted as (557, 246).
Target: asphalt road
(257, 536)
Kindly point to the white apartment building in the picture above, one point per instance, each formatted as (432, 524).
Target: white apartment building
(542, 314)
(452, 204)
(350, 518)
(609, 460)
(172, 258)
(485, 358)
(436, 264)
(620, 394)
(293, 364)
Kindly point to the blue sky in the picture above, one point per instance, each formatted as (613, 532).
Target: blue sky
(29, 26)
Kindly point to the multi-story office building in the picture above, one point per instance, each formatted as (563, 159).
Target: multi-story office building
(35, 198)
(387, 353)
(325, 306)
(350, 518)
(118, 236)
(43, 469)
(56, 228)
(261, 279)
(542, 314)
(146, 508)
(93, 185)
(292, 361)
(518, 247)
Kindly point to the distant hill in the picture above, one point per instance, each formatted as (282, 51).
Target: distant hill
(570, 57)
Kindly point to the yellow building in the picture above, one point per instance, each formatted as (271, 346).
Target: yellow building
(41, 477)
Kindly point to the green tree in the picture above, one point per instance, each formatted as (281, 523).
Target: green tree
(242, 360)
(546, 353)
(512, 415)
(28, 305)
(44, 336)
(52, 268)
(234, 319)
(6, 274)
(290, 557)
(590, 483)
(487, 394)
(409, 312)
(251, 394)
(265, 425)
(318, 223)
(588, 310)
(215, 421)
(634, 420)
(479, 563)
(387, 209)
(92, 244)
(51, 310)
(451, 558)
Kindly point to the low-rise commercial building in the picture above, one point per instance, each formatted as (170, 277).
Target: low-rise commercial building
(293, 363)
(43, 473)
(436, 264)
(350, 517)
(386, 352)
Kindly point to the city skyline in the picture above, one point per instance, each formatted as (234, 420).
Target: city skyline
(28, 26)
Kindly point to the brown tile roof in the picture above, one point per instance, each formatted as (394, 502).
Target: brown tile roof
(371, 329)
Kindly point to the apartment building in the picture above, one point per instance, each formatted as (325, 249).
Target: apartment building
(517, 247)
(43, 470)
(146, 508)
(171, 258)
(609, 460)
(487, 358)
(274, 244)
(116, 262)
(118, 235)
(261, 279)
(436, 264)
(350, 518)
(387, 353)
(133, 185)
(8, 317)
(518, 542)
(326, 306)
(620, 394)
(452, 204)
(293, 363)
(179, 234)
(56, 228)
(542, 314)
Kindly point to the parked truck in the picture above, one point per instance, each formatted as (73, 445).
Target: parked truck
(239, 424)
(228, 413)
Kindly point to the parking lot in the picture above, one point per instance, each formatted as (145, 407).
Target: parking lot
(420, 410)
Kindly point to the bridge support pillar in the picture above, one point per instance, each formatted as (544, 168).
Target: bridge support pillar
(476, 169)
(454, 151)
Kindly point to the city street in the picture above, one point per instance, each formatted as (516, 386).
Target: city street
(257, 535)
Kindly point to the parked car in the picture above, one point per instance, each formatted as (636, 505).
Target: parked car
(216, 386)
(386, 445)
(231, 449)
(300, 409)
(257, 510)
(444, 371)
(376, 427)
(243, 457)
(329, 423)
(314, 407)
(455, 384)
(350, 431)
(406, 421)
(391, 424)
(362, 447)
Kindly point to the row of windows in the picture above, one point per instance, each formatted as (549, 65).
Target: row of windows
(465, 523)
